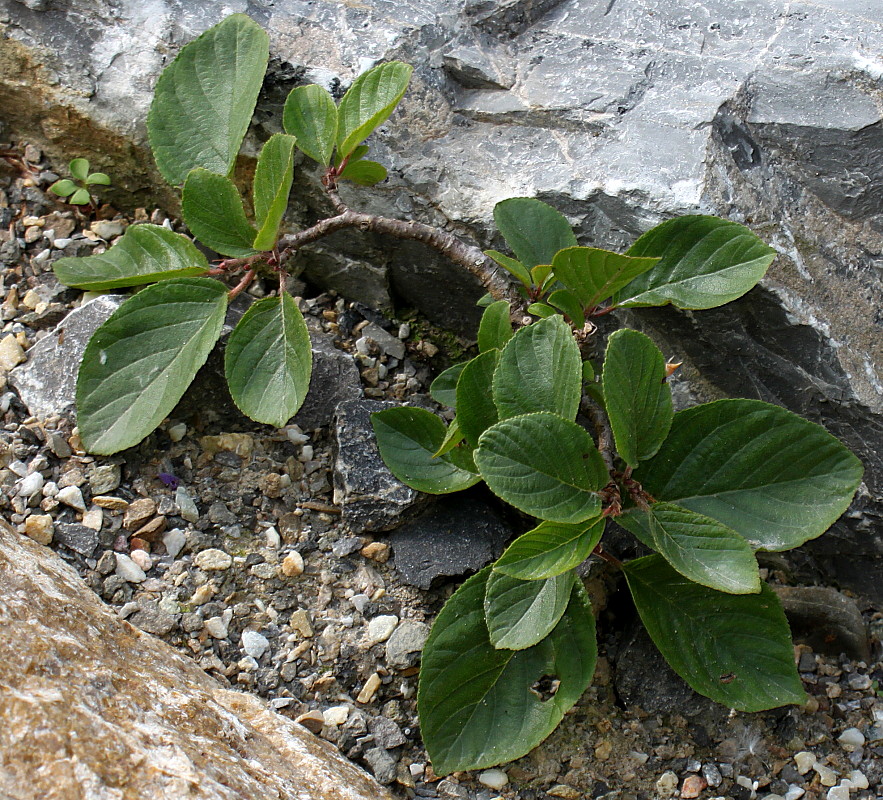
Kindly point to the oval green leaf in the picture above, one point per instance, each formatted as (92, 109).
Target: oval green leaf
(212, 209)
(542, 310)
(550, 549)
(519, 614)
(477, 704)
(734, 648)
(444, 388)
(495, 328)
(79, 168)
(80, 197)
(512, 266)
(544, 465)
(310, 115)
(139, 363)
(407, 439)
(476, 411)
(364, 172)
(369, 102)
(98, 178)
(594, 275)
(566, 301)
(704, 262)
(700, 548)
(773, 477)
(144, 254)
(63, 188)
(539, 370)
(204, 99)
(272, 185)
(637, 396)
(268, 361)
(533, 229)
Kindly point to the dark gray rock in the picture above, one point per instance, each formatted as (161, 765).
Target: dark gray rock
(826, 620)
(370, 497)
(335, 379)
(77, 537)
(382, 764)
(387, 734)
(457, 536)
(150, 618)
(47, 381)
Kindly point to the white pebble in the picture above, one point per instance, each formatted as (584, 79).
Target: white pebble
(213, 560)
(31, 484)
(71, 496)
(493, 778)
(838, 793)
(667, 784)
(858, 779)
(827, 776)
(50, 489)
(174, 541)
(254, 644)
(216, 627)
(851, 739)
(794, 792)
(336, 715)
(94, 518)
(186, 507)
(177, 431)
(142, 559)
(306, 453)
(381, 628)
(416, 770)
(296, 436)
(359, 602)
(274, 540)
(128, 570)
(805, 761)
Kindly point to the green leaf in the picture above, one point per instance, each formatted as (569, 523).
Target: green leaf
(567, 301)
(408, 438)
(144, 254)
(541, 275)
(542, 310)
(700, 548)
(512, 266)
(139, 363)
(79, 168)
(272, 185)
(550, 549)
(593, 275)
(705, 262)
(212, 209)
(360, 152)
(204, 99)
(80, 197)
(476, 411)
(444, 388)
(98, 178)
(588, 371)
(268, 361)
(364, 173)
(735, 649)
(63, 188)
(539, 370)
(453, 437)
(638, 398)
(534, 230)
(519, 614)
(369, 102)
(311, 116)
(477, 704)
(544, 465)
(495, 328)
(773, 477)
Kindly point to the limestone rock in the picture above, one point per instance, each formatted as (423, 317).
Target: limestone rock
(129, 715)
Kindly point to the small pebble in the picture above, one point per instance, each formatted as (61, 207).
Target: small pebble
(312, 720)
(335, 716)
(858, 779)
(203, 594)
(174, 541)
(376, 551)
(11, 353)
(711, 774)
(142, 559)
(692, 787)
(177, 431)
(40, 528)
(94, 518)
(254, 644)
(111, 503)
(381, 628)
(128, 570)
(827, 776)
(31, 484)
(293, 564)
(805, 761)
(186, 507)
(667, 784)
(274, 540)
(216, 627)
(838, 793)
(493, 778)
(300, 621)
(213, 560)
(851, 739)
(71, 496)
(794, 792)
(369, 689)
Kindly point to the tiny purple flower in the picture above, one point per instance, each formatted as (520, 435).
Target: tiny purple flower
(169, 480)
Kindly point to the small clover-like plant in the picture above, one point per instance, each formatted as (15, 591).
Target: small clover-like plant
(574, 444)
(567, 438)
(77, 189)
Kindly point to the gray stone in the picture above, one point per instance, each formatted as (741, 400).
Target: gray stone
(335, 379)
(382, 764)
(370, 497)
(455, 537)
(389, 344)
(387, 734)
(77, 537)
(101, 684)
(404, 646)
(46, 382)
(826, 620)
(254, 644)
(104, 478)
(150, 618)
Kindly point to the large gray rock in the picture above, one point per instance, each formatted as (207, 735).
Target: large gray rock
(94, 708)
(621, 113)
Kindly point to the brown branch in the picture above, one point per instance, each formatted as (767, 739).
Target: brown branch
(242, 285)
(466, 255)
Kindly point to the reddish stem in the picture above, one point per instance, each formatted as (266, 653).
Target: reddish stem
(242, 285)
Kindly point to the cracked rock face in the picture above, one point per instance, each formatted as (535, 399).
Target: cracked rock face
(620, 113)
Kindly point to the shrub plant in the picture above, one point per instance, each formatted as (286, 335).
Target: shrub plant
(570, 439)
(77, 189)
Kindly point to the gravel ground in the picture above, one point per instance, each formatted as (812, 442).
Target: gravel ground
(223, 538)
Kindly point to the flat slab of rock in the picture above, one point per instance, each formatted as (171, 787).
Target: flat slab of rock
(94, 708)
(456, 536)
(370, 497)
